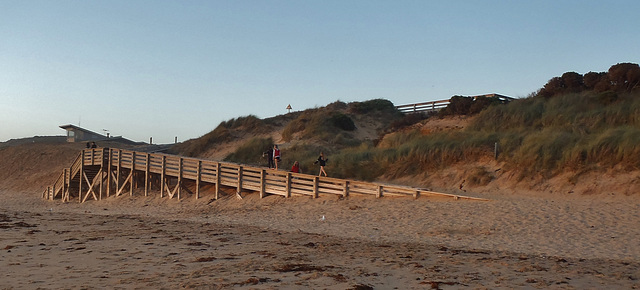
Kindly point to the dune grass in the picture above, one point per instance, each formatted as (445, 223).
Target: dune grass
(536, 136)
(221, 134)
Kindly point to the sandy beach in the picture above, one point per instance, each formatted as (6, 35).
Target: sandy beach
(511, 241)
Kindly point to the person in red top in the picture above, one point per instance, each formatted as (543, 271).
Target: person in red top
(276, 155)
(296, 167)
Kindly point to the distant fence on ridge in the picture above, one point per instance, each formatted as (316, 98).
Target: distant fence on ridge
(434, 106)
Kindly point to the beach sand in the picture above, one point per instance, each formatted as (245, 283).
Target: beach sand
(512, 241)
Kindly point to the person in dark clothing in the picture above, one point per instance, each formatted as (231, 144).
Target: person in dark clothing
(269, 154)
(322, 161)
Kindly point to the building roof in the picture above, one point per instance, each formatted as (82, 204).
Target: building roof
(74, 127)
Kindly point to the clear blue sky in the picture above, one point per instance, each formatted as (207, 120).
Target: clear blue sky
(163, 69)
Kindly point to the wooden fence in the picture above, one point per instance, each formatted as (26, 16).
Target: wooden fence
(99, 173)
(435, 106)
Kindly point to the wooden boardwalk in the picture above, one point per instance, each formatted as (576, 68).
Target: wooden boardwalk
(435, 106)
(99, 173)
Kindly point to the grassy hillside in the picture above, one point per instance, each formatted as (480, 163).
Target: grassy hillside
(569, 125)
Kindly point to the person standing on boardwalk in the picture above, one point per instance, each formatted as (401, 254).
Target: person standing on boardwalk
(322, 161)
(276, 155)
(269, 154)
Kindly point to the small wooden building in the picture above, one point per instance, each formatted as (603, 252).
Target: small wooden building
(78, 134)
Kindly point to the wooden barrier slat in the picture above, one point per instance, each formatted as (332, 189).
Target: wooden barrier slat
(329, 191)
(331, 185)
(301, 192)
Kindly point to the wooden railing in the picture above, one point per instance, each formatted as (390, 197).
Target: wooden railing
(242, 177)
(435, 106)
(423, 107)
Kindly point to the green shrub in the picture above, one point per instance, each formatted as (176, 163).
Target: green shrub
(342, 122)
(460, 105)
(379, 105)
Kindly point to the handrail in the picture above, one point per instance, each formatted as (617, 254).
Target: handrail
(75, 166)
(58, 185)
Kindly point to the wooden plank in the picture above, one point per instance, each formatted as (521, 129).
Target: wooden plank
(339, 186)
(301, 191)
(276, 191)
(330, 191)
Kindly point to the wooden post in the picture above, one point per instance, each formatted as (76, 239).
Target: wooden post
(133, 172)
(198, 172)
(217, 194)
(109, 161)
(146, 175)
(379, 192)
(101, 172)
(345, 193)
(239, 188)
(416, 194)
(119, 172)
(80, 177)
(495, 151)
(162, 175)
(179, 177)
(288, 183)
(262, 183)
(316, 179)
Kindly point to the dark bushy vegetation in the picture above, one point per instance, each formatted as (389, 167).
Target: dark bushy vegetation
(460, 105)
(342, 122)
(372, 106)
(621, 78)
